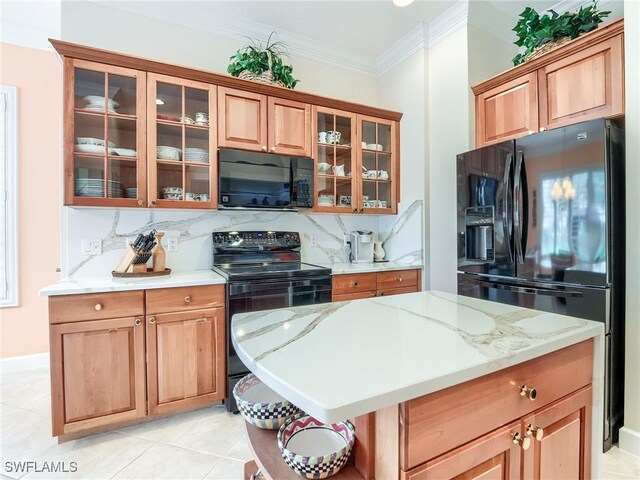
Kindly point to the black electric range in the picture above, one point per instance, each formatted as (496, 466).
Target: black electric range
(264, 271)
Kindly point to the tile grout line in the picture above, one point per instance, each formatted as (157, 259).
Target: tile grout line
(137, 457)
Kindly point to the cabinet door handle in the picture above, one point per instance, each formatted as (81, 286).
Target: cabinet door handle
(264, 148)
(273, 149)
(522, 442)
(138, 322)
(153, 203)
(140, 202)
(536, 432)
(542, 129)
(355, 209)
(381, 294)
(373, 294)
(529, 392)
(152, 320)
(531, 132)
(400, 279)
(98, 307)
(354, 284)
(187, 299)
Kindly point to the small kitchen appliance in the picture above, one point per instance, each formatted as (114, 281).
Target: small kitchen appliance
(361, 246)
(263, 272)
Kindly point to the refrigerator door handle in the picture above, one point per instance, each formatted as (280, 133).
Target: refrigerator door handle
(506, 221)
(516, 208)
(531, 290)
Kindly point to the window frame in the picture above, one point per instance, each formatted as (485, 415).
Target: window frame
(9, 109)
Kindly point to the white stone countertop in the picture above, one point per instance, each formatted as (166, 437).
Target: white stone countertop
(345, 359)
(78, 285)
(111, 284)
(346, 268)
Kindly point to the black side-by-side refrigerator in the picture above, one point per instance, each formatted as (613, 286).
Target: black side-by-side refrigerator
(540, 224)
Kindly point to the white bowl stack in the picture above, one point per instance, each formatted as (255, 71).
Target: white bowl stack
(168, 153)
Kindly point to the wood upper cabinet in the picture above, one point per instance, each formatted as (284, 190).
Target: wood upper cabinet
(378, 170)
(507, 111)
(182, 147)
(186, 359)
(491, 457)
(581, 80)
(97, 373)
(560, 439)
(588, 84)
(242, 120)
(250, 121)
(289, 127)
(104, 137)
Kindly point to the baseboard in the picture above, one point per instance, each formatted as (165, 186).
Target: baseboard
(24, 362)
(629, 441)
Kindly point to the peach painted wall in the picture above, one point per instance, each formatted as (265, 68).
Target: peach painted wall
(37, 76)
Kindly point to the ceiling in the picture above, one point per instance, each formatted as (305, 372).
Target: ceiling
(356, 32)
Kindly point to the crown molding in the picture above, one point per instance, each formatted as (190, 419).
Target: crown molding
(410, 43)
(239, 29)
(447, 23)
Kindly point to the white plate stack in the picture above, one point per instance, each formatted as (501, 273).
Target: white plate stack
(198, 155)
(94, 187)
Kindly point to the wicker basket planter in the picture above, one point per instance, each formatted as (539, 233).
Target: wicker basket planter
(547, 47)
(264, 77)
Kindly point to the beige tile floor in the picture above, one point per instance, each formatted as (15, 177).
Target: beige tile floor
(205, 444)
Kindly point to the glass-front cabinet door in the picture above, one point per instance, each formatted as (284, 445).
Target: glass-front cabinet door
(334, 134)
(105, 158)
(181, 130)
(377, 166)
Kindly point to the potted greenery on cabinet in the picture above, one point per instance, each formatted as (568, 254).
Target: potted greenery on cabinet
(263, 64)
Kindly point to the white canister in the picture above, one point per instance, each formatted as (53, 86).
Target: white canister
(322, 137)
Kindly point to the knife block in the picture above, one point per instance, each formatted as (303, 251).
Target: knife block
(124, 265)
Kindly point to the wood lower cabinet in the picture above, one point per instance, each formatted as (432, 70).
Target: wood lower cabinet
(460, 432)
(104, 371)
(97, 373)
(561, 439)
(185, 354)
(366, 285)
(491, 457)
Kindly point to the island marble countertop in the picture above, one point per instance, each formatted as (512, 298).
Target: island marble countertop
(346, 268)
(345, 359)
(111, 284)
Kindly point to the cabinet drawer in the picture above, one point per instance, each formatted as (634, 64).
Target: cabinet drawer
(434, 424)
(397, 279)
(169, 300)
(95, 306)
(341, 297)
(361, 282)
(397, 291)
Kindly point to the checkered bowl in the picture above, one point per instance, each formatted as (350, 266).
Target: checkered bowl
(314, 449)
(260, 405)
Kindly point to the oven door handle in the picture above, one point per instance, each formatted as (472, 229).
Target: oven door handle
(530, 290)
(242, 288)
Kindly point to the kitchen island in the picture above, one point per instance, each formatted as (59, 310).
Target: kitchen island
(439, 384)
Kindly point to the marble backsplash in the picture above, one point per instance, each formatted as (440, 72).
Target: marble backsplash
(322, 235)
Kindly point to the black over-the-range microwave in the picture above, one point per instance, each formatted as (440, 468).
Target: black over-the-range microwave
(252, 180)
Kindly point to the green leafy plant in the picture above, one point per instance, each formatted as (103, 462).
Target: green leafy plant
(258, 59)
(534, 30)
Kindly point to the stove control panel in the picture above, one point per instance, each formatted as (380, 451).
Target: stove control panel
(255, 240)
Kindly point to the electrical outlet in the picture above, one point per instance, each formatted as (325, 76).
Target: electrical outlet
(91, 247)
(314, 240)
(346, 239)
(172, 244)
